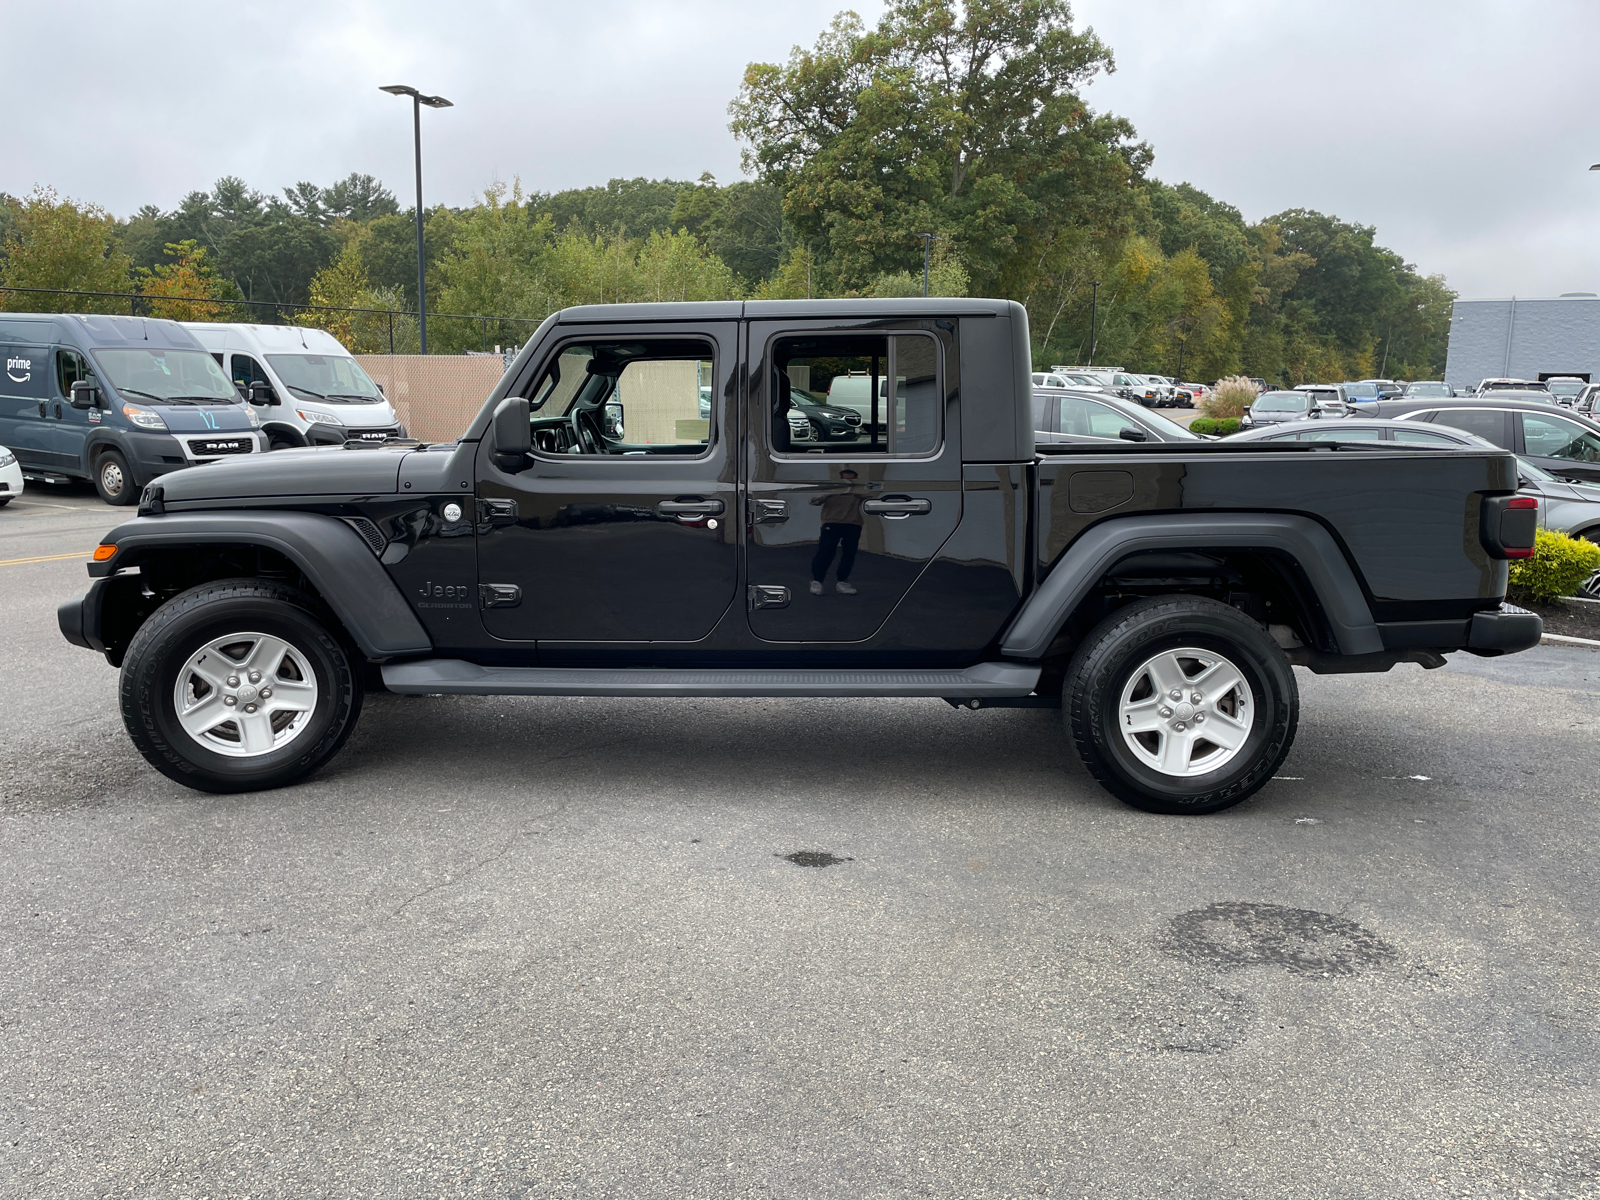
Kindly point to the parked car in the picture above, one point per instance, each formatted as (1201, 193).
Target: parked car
(1113, 379)
(1566, 444)
(311, 390)
(1426, 389)
(1511, 385)
(1195, 393)
(1075, 416)
(1362, 429)
(1565, 388)
(1585, 402)
(1273, 408)
(11, 484)
(1361, 397)
(246, 601)
(1386, 387)
(1330, 398)
(116, 400)
(824, 422)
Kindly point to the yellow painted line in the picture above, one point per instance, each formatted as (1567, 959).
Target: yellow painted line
(17, 562)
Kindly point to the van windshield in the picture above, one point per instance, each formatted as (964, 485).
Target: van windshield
(335, 377)
(167, 376)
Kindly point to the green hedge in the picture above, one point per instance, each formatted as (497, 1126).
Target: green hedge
(1558, 567)
(1222, 426)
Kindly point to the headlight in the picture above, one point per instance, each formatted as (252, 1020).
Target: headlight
(255, 421)
(143, 417)
(7, 459)
(313, 417)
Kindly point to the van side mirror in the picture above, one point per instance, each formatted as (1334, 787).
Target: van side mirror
(85, 394)
(513, 439)
(262, 395)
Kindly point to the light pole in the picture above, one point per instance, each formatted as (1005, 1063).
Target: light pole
(1094, 312)
(927, 240)
(417, 101)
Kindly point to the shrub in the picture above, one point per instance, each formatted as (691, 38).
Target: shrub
(1229, 398)
(1221, 426)
(1558, 567)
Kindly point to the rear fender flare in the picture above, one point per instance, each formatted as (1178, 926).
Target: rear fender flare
(331, 554)
(1310, 546)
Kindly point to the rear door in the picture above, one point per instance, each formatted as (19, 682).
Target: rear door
(839, 530)
(620, 536)
(29, 421)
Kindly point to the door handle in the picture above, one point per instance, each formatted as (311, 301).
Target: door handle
(893, 507)
(763, 511)
(690, 508)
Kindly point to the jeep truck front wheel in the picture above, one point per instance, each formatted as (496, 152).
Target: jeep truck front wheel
(1180, 705)
(239, 685)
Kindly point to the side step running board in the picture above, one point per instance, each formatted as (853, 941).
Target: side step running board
(449, 676)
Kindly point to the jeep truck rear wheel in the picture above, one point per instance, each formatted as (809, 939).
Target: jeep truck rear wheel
(239, 685)
(1180, 705)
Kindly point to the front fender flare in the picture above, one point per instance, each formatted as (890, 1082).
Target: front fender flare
(332, 555)
(1312, 548)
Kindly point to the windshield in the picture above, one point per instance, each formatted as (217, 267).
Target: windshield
(1282, 402)
(1169, 429)
(1564, 388)
(1428, 389)
(1361, 391)
(335, 377)
(167, 376)
(1511, 385)
(1529, 470)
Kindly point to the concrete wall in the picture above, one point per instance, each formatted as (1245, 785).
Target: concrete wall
(1523, 339)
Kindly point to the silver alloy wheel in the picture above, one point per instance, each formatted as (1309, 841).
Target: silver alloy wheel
(245, 694)
(1186, 712)
(111, 477)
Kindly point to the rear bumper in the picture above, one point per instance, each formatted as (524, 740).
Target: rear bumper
(1504, 630)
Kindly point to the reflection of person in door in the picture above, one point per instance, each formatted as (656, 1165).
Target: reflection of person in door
(841, 531)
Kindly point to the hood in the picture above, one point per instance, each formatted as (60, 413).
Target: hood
(199, 418)
(317, 471)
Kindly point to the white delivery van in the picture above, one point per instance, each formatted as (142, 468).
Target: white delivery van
(310, 390)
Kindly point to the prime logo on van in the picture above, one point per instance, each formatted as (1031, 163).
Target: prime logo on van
(25, 365)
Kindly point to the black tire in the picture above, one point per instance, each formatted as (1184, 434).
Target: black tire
(1115, 652)
(187, 622)
(114, 481)
(5, 500)
(279, 442)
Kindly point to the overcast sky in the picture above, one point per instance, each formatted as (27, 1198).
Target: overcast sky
(1461, 129)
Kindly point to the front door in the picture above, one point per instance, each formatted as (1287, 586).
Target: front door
(619, 536)
(854, 473)
(1561, 446)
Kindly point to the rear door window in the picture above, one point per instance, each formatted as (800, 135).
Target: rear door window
(839, 384)
(1489, 424)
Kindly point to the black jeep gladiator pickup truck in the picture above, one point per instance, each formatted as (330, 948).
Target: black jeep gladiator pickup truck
(797, 498)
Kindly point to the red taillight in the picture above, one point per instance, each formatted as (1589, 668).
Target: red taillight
(1523, 502)
(1519, 551)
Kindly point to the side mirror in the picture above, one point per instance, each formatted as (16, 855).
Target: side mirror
(613, 420)
(381, 392)
(85, 394)
(513, 439)
(262, 395)
(1133, 435)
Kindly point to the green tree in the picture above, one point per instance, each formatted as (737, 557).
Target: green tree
(53, 242)
(188, 288)
(960, 120)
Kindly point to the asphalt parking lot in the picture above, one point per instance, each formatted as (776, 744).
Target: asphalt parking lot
(531, 948)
